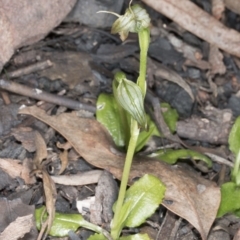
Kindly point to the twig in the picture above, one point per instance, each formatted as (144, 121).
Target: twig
(219, 159)
(29, 69)
(5, 97)
(192, 18)
(44, 96)
(84, 178)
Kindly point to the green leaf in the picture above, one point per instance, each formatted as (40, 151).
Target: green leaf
(64, 222)
(230, 195)
(170, 116)
(109, 115)
(97, 236)
(171, 156)
(234, 137)
(135, 237)
(117, 122)
(141, 201)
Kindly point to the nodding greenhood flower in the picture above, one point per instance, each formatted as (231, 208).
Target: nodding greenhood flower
(134, 20)
(129, 96)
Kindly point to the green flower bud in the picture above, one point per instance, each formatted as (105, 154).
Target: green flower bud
(129, 96)
(134, 20)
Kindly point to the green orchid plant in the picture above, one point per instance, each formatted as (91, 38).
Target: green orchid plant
(130, 95)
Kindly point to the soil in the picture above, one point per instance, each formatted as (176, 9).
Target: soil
(75, 64)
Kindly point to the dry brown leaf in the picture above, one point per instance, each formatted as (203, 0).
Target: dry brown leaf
(215, 58)
(63, 155)
(48, 184)
(188, 195)
(65, 146)
(233, 5)
(15, 213)
(218, 8)
(41, 150)
(38, 18)
(26, 136)
(50, 199)
(51, 196)
(195, 20)
(17, 168)
(170, 75)
(19, 227)
(64, 161)
(237, 235)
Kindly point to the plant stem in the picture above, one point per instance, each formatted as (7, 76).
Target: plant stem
(95, 228)
(144, 39)
(115, 229)
(236, 168)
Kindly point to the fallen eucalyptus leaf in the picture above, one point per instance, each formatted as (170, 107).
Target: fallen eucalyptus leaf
(187, 194)
(41, 150)
(20, 227)
(49, 187)
(170, 75)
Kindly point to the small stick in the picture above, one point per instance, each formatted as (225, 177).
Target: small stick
(44, 96)
(29, 69)
(80, 179)
(5, 97)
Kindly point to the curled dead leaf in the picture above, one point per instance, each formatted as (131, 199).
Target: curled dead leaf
(48, 184)
(16, 168)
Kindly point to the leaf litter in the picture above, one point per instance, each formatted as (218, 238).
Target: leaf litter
(194, 58)
(188, 195)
